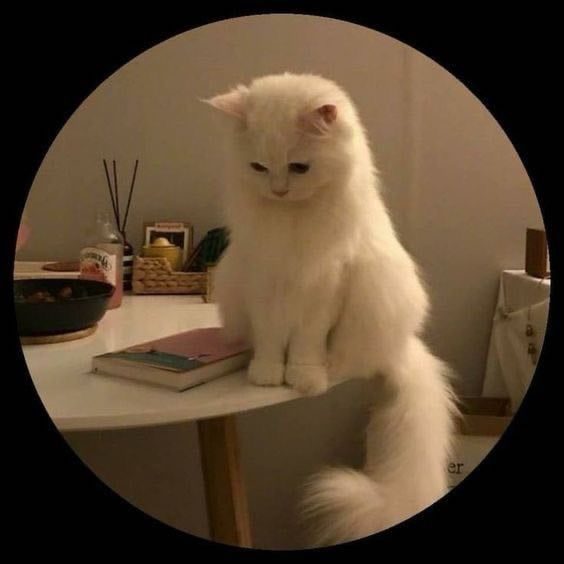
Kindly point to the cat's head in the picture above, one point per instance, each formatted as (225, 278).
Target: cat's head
(292, 135)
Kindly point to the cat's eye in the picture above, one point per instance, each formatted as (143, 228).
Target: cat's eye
(299, 168)
(258, 167)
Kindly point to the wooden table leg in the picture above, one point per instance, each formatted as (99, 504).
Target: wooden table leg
(226, 499)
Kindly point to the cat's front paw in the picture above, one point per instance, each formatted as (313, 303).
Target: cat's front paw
(263, 373)
(310, 379)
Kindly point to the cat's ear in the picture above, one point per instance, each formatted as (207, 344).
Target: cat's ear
(319, 120)
(233, 102)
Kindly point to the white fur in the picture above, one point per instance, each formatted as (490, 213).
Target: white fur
(317, 280)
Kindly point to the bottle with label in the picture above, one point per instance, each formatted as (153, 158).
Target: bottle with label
(102, 257)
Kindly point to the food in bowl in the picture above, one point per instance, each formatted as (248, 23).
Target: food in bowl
(65, 293)
(49, 306)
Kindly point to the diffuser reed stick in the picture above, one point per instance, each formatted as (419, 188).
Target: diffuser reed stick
(111, 192)
(114, 194)
(131, 188)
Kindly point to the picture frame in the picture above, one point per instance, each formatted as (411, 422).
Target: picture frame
(537, 260)
(179, 233)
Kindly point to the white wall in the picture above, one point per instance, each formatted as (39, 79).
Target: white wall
(457, 190)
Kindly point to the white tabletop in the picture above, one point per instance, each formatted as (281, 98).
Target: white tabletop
(519, 290)
(523, 301)
(34, 269)
(77, 399)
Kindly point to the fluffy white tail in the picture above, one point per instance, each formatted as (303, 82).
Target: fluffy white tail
(408, 442)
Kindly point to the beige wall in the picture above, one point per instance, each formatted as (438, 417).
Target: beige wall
(457, 190)
(158, 470)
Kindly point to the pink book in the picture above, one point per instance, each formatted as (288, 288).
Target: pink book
(178, 361)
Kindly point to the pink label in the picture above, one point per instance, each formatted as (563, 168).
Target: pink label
(97, 264)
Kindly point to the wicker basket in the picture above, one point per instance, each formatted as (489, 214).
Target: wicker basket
(155, 276)
(210, 289)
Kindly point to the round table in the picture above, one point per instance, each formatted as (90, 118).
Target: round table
(77, 399)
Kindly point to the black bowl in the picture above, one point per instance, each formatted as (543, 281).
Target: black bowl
(84, 309)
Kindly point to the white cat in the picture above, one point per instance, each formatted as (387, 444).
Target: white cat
(317, 280)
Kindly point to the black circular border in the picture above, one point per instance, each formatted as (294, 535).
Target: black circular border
(507, 60)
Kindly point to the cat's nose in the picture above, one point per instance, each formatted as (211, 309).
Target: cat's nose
(279, 186)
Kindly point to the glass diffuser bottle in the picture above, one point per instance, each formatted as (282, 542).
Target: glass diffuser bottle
(128, 254)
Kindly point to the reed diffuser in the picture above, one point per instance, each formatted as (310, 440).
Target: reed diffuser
(121, 225)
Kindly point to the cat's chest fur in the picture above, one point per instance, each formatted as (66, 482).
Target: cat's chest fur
(294, 259)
